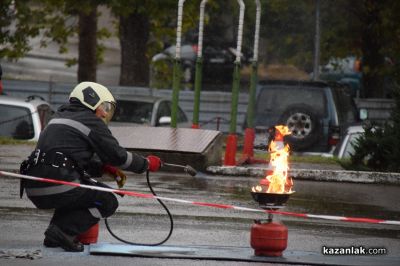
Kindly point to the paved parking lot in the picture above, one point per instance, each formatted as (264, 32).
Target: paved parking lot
(143, 220)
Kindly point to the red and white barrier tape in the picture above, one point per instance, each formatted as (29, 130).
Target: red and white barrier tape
(206, 204)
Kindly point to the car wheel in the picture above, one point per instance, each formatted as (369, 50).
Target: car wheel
(304, 124)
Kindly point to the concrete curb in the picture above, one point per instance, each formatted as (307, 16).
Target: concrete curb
(313, 175)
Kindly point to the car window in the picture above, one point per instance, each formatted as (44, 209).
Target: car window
(164, 109)
(280, 98)
(347, 111)
(133, 112)
(349, 149)
(182, 118)
(16, 122)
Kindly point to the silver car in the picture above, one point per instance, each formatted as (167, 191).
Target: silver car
(346, 145)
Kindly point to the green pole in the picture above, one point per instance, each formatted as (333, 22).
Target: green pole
(252, 96)
(197, 89)
(199, 68)
(176, 83)
(231, 140)
(235, 97)
(249, 133)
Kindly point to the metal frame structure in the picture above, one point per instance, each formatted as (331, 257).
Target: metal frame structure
(199, 68)
(248, 149)
(176, 82)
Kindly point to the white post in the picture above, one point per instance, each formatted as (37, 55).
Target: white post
(201, 29)
(179, 30)
(257, 30)
(240, 31)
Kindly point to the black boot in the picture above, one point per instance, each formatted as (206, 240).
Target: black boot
(47, 242)
(54, 237)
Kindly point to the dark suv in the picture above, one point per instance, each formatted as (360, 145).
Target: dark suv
(315, 112)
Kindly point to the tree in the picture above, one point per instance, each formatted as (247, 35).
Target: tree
(288, 28)
(143, 27)
(87, 58)
(85, 27)
(18, 23)
(55, 21)
(369, 32)
(378, 149)
(134, 32)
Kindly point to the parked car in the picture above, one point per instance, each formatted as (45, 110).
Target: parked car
(348, 71)
(316, 113)
(23, 119)
(345, 71)
(217, 63)
(148, 111)
(346, 146)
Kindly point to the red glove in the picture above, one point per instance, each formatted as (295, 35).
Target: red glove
(118, 175)
(154, 163)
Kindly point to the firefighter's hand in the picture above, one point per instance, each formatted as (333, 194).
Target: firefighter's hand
(153, 163)
(118, 175)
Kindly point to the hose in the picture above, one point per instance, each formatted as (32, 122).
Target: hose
(165, 208)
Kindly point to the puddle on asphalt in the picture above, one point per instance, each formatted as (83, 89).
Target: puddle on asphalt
(325, 198)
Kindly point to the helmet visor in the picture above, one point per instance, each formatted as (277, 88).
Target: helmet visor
(109, 109)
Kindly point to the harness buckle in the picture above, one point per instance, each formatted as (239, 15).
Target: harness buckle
(58, 159)
(36, 156)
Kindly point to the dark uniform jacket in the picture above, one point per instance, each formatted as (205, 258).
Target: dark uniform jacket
(77, 133)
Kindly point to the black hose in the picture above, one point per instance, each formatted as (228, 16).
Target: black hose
(142, 244)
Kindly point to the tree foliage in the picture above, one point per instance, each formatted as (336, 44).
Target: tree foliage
(378, 149)
(145, 28)
(18, 23)
(53, 21)
(368, 29)
(365, 28)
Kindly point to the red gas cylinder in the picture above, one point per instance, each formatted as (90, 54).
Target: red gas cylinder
(268, 239)
(90, 236)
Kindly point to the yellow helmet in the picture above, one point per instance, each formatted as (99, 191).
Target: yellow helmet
(92, 94)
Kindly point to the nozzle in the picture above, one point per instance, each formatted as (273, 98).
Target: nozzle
(188, 169)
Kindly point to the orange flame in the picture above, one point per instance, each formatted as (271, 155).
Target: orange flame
(277, 179)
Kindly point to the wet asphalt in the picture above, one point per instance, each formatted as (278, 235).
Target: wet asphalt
(144, 221)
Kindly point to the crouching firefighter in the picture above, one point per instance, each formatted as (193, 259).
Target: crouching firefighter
(77, 144)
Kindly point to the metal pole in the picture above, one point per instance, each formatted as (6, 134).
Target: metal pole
(249, 134)
(231, 145)
(317, 40)
(199, 66)
(176, 82)
(236, 73)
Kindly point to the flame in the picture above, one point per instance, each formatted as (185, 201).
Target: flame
(277, 179)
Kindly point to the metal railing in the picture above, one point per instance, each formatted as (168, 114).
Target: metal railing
(214, 104)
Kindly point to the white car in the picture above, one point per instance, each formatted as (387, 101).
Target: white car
(23, 119)
(146, 111)
(345, 147)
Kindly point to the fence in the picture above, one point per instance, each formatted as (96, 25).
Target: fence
(379, 110)
(214, 108)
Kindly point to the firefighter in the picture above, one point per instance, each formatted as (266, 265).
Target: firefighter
(75, 146)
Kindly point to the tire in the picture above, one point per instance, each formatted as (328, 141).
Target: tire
(304, 124)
